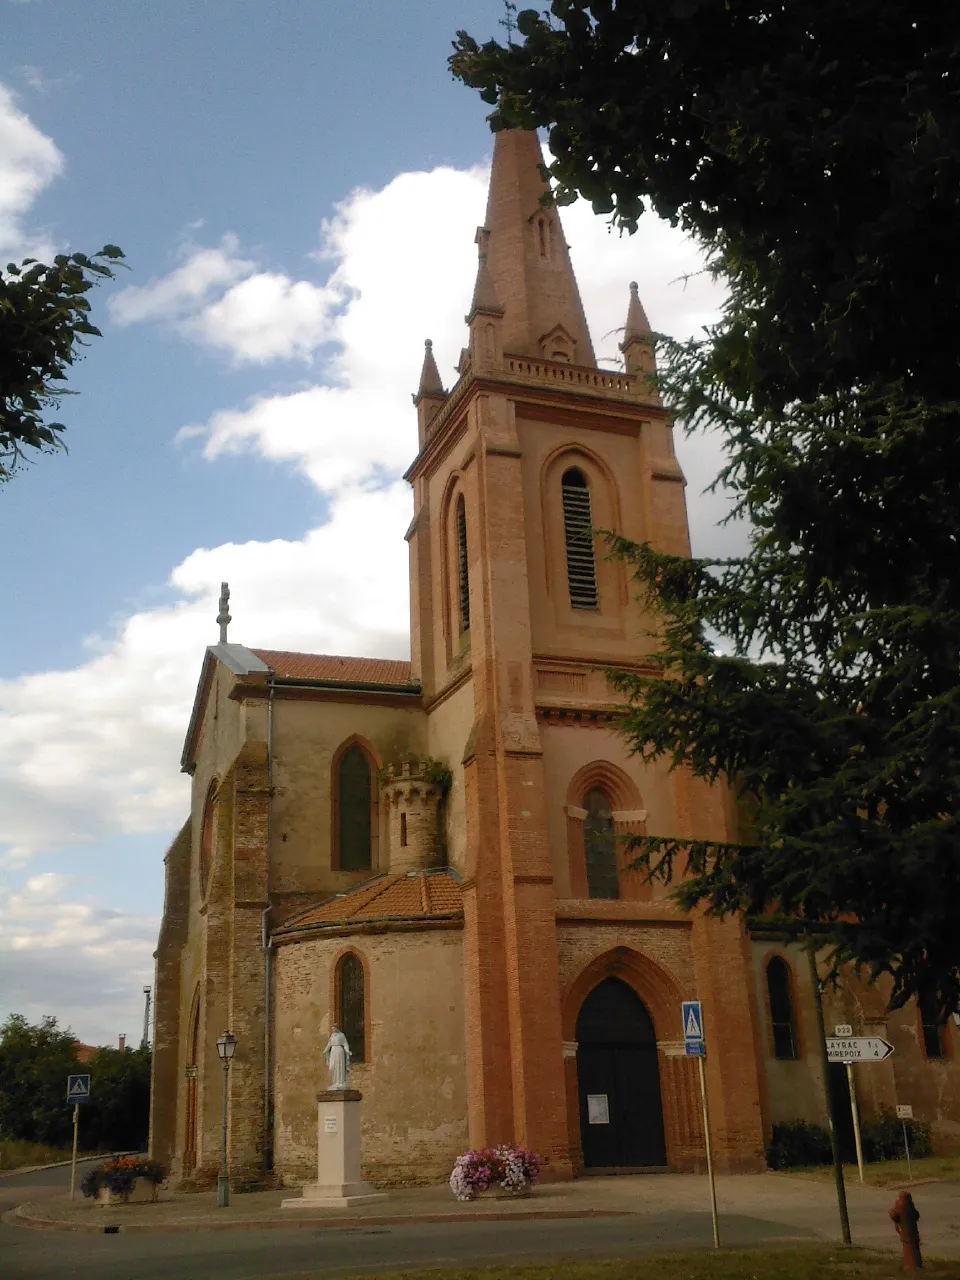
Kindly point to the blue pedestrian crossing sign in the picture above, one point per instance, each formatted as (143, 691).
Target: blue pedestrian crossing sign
(78, 1088)
(692, 1014)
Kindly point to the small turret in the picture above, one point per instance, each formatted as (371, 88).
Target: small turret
(637, 344)
(412, 797)
(430, 394)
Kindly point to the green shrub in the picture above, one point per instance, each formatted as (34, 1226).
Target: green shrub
(795, 1142)
(882, 1137)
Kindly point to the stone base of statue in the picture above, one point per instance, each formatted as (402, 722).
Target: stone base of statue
(338, 1184)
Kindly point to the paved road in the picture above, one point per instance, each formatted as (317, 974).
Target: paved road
(307, 1253)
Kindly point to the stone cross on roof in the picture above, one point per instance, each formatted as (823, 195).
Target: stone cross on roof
(223, 617)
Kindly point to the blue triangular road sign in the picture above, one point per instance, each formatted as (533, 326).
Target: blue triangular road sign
(78, 1088)
(692, 1020)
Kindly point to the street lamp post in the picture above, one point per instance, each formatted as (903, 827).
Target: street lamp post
(226, 1047)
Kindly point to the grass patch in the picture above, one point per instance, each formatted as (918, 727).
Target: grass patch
(15, 1154)
(885, 1173)
(794, 1264)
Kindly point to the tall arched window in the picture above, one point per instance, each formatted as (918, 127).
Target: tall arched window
(578, 534)
(781, 1009)
(350, 1012)
(600, 846)
(933, 1026)
(354, 810)
(463, 578)
(208, 836)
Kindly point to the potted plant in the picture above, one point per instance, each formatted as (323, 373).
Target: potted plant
(124, 1180)
(495, 1171)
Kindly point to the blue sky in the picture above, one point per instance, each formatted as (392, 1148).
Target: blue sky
(295, 186)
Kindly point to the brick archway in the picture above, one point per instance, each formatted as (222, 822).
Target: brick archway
(683, 1130)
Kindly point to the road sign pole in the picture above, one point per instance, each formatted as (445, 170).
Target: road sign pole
(73, 1161)
(825, 1072)
(906, 1147)
(856, 1118)
(709, 1146)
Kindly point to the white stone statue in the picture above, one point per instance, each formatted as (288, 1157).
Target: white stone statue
(337, 1054)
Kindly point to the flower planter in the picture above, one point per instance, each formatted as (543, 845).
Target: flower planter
(144, 1191)
(504, 1193)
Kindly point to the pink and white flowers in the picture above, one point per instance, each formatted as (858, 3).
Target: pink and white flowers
(512, 1168)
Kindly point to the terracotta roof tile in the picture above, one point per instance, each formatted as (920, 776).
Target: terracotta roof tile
(398, 897)
(323, 666)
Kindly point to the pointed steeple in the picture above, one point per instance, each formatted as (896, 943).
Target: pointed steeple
(527, 258)
(429, 375)
(484, 291)
(637, 344)
(430, 394)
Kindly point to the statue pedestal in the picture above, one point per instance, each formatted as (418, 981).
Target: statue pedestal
(338, 1184)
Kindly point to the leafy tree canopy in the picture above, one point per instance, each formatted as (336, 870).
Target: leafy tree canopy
(35, 1061)
(812, 150)
(44, 319)
(34, 1064)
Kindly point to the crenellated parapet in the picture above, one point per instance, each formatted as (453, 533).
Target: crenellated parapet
(412, 792)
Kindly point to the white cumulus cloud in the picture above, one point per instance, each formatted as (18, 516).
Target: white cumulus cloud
(29, 162)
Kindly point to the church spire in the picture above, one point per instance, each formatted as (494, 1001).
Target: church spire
(527, 261)
(637, 344)
(430, 395)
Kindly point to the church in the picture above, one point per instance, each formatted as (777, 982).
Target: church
(429, 854)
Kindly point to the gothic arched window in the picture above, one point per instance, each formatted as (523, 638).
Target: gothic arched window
(781, 1009)
(355, 808)
(600, 846)
(350, 1012)
(578, 535)
(208, 836)
(463, 577)
(933, 1027)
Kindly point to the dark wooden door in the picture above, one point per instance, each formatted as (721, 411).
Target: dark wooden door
(621, 1111)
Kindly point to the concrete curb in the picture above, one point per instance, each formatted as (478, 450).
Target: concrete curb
(22, 1217)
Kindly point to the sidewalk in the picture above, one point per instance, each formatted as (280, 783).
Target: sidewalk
(796, 1206)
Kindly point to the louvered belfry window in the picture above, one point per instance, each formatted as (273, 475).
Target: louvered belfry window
(578, 532)
(463, 579)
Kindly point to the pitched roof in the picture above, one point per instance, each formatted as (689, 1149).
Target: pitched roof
(427, 896)
(336, 670)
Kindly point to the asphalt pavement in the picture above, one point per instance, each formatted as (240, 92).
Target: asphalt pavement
(303, 1253)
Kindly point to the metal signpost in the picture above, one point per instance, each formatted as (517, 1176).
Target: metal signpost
(78, 1090)
(694, 1042)
(905, 1113)
(847, 1048)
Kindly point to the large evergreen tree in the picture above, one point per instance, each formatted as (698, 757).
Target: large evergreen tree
(814, 152)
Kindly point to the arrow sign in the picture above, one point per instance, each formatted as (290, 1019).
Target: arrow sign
(858, 1049)
(78, 1088)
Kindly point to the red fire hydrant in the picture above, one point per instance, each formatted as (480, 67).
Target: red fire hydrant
(906, 1215)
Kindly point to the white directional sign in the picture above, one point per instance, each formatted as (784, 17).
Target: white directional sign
(858, 1049)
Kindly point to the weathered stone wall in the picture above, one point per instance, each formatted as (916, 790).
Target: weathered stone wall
(414, 1119)
(930, 1086)
(307, 735)
(165, 1073)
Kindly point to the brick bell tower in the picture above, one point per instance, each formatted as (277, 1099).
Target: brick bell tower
(505, 604)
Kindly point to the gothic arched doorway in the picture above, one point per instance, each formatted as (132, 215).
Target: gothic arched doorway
(191, 1124)
(621, 1111)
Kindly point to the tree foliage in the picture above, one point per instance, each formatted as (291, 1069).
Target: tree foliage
(814, 153)
(44, 319)
(34, 1064)
(35, 1061)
